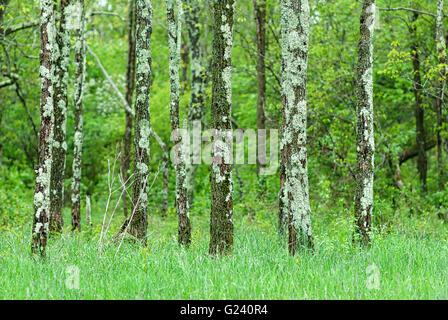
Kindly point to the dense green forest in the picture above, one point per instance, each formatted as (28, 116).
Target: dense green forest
(98, 99)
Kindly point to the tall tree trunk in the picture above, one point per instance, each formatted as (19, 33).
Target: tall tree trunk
(130, 84)
(422, 162)
(139, 217)
(441, 53)
(184, 62)
(364, 128)
(260, 22)
(198, 76)
(80, 58)
(174, 44)
(221, 216)
(59, 146)
(43, 169)
(295, 16)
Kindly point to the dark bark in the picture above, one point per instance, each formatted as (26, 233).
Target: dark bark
(80, 56)
(282, 214)
(422, 162)
(130, 84)
(59, 147)
(364, 127)
(295, 17)
(260, 22)
(410, 153)
(221, 215)
(198, 79)
(42, 188)
(441, 53)
(174, 39)
(184, 62)
(139, 217)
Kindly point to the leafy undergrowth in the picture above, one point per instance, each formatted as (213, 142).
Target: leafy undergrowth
(399, 265)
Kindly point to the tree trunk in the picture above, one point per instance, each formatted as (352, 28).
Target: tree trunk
(59, 146)
(43, 170)
(184, 62)
(422, 162)
(295, 15)
(260, 22)
(174, 44)
(365, 144)
(282, 212)
(80, 58)
(198, 76)
(88, 212)
(139, 217)
(441, 53)
(130, 84)
(221, 216)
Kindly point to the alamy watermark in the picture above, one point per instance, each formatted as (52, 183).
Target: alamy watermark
(373, 278)
(197, 146)
(72, 279)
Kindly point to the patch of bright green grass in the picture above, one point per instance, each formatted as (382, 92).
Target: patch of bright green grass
(406, 267)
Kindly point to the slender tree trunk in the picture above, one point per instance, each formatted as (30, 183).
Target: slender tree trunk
(165, 184)
(260, 22)
(282, 212)
(43, 169)
(165, 163)
(130, 84)
(88, 212)
(139, 217)
(296, 28)
(80, 58)
(422, 162)
(221, 216)
(364, 129)
(174, 44)
(441, 53)
(59, 146)
(184, 62)
(198, 78)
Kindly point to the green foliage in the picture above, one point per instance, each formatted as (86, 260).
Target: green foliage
(410, 229)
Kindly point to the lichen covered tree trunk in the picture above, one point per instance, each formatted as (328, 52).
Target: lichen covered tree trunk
(3, 5)
(295, 16)
(441, 53)
(221, 216)
(174, 44)
(417, 88)
(130, 84)
(139, 217)
(260, 22)
(43, 170)
(198, 77)
(80, 57)
(365, 144)
(59, 146)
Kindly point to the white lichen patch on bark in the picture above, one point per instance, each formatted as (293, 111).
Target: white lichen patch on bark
(174, 44)
(364, 130)
(43, 170)
(221, 222)
(138, 224)
(295, 15)
(192, 9)
(80, 61)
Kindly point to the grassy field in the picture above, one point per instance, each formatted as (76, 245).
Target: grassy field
(399, 265)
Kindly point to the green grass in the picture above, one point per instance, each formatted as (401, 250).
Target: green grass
(410, 266)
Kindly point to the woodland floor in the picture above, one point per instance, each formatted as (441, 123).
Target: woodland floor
(410, 266)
